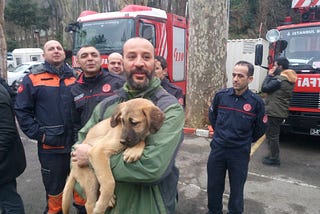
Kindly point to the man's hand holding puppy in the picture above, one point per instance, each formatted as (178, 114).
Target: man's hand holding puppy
(80, 154)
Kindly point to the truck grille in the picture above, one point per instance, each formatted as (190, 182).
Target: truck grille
(305, 100)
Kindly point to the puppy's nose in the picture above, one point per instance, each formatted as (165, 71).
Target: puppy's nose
(122, 141)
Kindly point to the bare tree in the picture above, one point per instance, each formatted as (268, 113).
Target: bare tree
(207, 57)
(3, 46)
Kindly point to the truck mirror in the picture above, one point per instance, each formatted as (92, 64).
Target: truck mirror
(72, 27)
(281, 45)
(258, 54)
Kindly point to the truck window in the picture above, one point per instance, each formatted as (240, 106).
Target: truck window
(106, 35)
(147, 31)
(303, 45)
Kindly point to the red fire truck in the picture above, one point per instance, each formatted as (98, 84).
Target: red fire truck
(300, 43)
(108, 32)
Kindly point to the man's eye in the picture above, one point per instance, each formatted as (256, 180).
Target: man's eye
(130, 57)
(146, 57)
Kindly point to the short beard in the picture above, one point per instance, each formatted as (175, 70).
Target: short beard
(139, 86)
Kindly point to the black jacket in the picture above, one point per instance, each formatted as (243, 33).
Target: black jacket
(9, 89)
(173, 89)
(12, 156)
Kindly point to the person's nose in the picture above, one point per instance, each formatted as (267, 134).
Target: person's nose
(90, 57)
(235, 78)
(139, 62)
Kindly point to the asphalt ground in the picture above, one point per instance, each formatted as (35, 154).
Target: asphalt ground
(292, 188)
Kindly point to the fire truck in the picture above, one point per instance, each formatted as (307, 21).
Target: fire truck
(300, 44)
(109, 31)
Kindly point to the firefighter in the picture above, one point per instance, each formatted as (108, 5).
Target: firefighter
(115, 63)
(92, 86)
(44, 111)
(161, 73)
(238, 118)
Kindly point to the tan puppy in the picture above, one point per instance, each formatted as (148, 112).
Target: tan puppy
(130, 124)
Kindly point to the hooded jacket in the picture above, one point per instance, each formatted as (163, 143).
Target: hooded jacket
(279, 92)
(12, 156)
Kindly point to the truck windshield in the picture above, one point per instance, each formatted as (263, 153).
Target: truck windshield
(303, 47)
(106, 35)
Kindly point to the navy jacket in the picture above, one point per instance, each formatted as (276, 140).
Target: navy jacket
(88, 92)
(173, 89)
(44, 107)
(237, 120)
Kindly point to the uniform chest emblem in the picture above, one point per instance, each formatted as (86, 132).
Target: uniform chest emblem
(247, 107)
(181, 101)
(20, 88)
(106, 88)
(265, 119)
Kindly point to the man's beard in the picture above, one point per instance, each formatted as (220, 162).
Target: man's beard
(139, 86)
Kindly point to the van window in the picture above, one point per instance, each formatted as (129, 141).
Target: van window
(34, 58)
(19, 61)
(9, 56)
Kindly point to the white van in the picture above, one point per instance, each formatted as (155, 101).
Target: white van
(22, 55)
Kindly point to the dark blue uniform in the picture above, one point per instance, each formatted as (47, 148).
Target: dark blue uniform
(173, 89)
(88, 92)
(44, 111)
(238, 121)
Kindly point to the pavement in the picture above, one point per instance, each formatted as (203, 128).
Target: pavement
(293, 188)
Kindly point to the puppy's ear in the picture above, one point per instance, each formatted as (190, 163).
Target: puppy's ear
(115, 117)
(155, 118)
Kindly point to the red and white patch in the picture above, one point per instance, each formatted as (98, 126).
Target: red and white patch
(20, 88)
(181, 101)
(106, 88)
(265, 119)
(247, 107)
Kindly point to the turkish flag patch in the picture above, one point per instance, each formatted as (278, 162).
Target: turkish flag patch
(265, 119)
(247, 107)
(20, 88)
(106, 88)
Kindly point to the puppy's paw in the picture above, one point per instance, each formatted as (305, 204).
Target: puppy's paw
(112, 202)
(132, 154)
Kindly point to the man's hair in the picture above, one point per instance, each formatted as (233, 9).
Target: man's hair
(162, 61)
(282, 61)
(249, 66)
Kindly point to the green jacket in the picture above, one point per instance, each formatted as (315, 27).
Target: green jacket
(148, 185)
(279, 91)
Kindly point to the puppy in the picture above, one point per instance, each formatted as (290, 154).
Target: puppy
(129, 125)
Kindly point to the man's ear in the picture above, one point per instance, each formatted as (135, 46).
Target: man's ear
(165, 72)
(250, 79)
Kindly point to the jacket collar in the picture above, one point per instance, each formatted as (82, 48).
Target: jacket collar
(154, 85)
